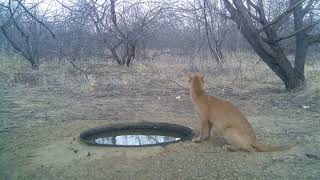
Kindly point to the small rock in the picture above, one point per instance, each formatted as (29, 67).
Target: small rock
(89, 154)
(75, 151)
(178, 97)
(73, 138)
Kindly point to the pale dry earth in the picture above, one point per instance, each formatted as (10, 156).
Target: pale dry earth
(40, 121)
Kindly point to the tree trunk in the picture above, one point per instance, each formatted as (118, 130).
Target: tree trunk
(275, 58)
(219, 53)
(131, 54)
(301, 42)
(115, 56)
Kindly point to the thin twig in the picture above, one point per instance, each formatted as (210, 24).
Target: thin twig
(76, 67)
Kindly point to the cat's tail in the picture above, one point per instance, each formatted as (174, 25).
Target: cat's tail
(260, 147)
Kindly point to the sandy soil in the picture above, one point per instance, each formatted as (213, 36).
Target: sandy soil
(40, 126)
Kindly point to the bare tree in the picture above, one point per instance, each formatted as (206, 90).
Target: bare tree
(121, 24)
(262, 34)
(23, 29)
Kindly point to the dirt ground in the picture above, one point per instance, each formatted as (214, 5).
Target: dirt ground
(40, 121)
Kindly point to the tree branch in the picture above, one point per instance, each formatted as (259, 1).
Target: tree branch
(281, 16)
(308, 7)
(262, 13)
(254, 16)
(312, 39)
(35, 18)
(65, 6)
(15, 23)
(4, 5)
(298, 31)
(232, 10)
(14, 45)
(259, 9)
(250, 3)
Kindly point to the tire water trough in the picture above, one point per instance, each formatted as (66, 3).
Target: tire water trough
(139, 134)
